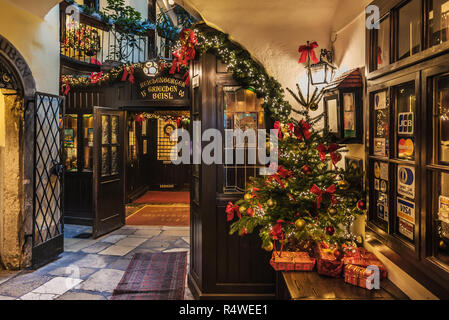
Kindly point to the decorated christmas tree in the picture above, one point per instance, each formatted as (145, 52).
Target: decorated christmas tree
(309, 199)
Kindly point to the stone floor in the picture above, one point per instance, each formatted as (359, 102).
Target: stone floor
(91, 269)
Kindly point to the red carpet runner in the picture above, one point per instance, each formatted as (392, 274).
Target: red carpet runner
(161, 215)
(153, 276)
(152, 197)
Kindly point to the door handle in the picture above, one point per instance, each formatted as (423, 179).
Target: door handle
(57, 169)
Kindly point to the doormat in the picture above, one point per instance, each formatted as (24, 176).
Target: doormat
(153, 276)
(159, 197)
(161, 215)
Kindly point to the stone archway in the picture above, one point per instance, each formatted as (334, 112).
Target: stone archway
(16, 159)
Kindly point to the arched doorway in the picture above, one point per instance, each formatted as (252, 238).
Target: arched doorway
(29, 135)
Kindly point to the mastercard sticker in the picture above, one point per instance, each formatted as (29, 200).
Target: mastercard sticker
(406, 148)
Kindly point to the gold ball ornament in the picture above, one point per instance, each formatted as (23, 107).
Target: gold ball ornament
(271, 203)
(343, 185)
(269, 247)
(332, 211)
(300, 224)
(242, 209)
(303, 146)
(248, 196)
(442, 245)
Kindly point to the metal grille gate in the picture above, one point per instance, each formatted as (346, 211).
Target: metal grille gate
(48, 226)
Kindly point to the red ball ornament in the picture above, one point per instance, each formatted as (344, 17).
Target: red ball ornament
(330, 231)
(306, 169)
(338, 254)
(361, 205)
(250, 212)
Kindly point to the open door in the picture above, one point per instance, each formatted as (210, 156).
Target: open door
(109, 186)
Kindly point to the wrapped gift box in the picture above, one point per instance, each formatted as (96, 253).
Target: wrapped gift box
(363, 258)
(292, 261)
(357, 275)
(327, 262)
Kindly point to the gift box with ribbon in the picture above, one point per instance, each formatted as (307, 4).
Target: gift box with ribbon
(363, 258)
(292, 261)
(328, 262)
(359, 276)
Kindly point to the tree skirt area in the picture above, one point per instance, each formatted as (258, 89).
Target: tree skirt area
(153, 276)
(161, 215)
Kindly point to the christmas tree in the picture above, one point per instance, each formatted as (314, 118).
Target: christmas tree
(309, 198)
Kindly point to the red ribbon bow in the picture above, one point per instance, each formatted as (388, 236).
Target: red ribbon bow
(231, 209)
(323, 150)
(65, 87)
(128, 71)
(277, 126)
(186, 52)
(302, 131)
(306, 51)
(95, 76)
(329, 191)
(305, 126)
(140, 118)
(95, 61)
(276, 232)
(281, 173)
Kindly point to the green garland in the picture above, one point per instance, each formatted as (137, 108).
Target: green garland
(245, 70)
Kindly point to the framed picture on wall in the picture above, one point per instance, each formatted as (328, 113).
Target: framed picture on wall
(332, 115)
(354, 163)
(349, 115)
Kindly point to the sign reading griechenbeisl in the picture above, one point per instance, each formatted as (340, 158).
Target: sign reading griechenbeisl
(162, 88)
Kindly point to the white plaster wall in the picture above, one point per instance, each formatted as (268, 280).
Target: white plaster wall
(37, 39)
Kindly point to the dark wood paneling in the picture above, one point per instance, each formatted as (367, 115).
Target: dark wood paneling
(78, 206)
(223, 266)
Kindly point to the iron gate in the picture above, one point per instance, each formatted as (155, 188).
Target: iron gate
(48, 226)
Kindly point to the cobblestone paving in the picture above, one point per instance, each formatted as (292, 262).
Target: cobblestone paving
(90, 269)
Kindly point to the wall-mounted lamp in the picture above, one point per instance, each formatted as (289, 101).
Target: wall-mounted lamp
(322, 72)
(171, 2)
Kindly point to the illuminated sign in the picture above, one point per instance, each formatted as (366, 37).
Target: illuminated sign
(162, 88)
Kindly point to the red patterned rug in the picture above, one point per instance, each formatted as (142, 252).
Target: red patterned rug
(160, 215)
(152, 197)
(153, 276)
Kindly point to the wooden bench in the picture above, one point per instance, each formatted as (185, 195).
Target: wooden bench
(298, 285)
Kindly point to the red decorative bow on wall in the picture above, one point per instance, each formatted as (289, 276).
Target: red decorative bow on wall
(128, 73)
(95, 76)
(65, 87)
(95, 61)
(185, 53)
(306, 51)
(329, 191)
(323, 150)
(231, 210)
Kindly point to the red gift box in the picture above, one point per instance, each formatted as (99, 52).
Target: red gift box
(358, 276)
(363, 258)
(327, 262)
(292, 261)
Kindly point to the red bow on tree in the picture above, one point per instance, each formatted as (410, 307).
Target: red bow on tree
(276, 232)
(277, 126)
(306, 51)
(281, 173)
(232, 209)
(323, 150)
(95, 76)
(329, 191)
(128, 71)
(305, 126)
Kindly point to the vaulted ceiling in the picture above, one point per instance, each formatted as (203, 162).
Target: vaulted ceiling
(38, 8)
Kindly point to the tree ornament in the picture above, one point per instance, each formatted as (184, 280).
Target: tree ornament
(244, 231)
(361, 205)
(300, 224)
(332, 211)
(330, 230)
(302, 146)
(269, 247)
(248, 197)
(321, 166)
(343, 185)
(271, 203)
(338, 254)
(250, 212)
(359, 240)
(306, 169)
(242, 209)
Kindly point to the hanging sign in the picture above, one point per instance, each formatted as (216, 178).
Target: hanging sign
(406, 181)
(406, 148)
(162, 88)
(406, 210)
(406, 229)
(405, 123)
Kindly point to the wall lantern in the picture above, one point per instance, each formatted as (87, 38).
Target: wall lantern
(343, 107)
(322, 72)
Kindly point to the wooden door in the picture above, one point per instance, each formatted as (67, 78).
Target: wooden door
(109, 187)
